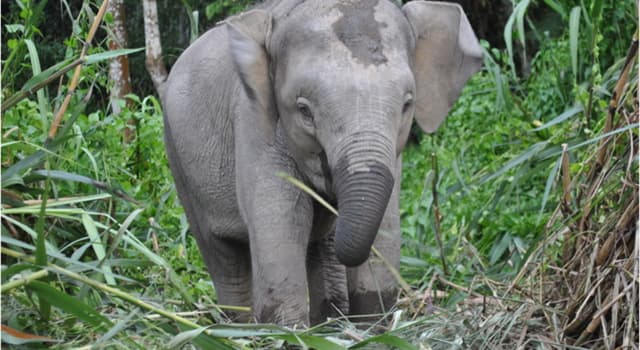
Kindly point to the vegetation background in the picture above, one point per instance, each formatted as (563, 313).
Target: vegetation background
(519, 216)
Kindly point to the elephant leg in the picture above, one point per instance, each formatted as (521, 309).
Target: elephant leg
(372, 287)
(279, 217)
(229, 264)
(328, 295)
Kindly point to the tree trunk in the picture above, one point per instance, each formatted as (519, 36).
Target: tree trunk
(155, 64)
(119, 66)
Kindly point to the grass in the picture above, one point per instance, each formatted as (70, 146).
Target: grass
(533, 179)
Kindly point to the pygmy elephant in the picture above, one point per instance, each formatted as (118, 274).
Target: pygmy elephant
(324, 91)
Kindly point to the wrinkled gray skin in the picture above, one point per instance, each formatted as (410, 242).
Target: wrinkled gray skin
(324, 91)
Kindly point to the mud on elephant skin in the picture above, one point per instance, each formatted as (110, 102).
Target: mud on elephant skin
(325, 91)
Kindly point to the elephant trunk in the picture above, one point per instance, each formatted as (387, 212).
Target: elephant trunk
(363, 184)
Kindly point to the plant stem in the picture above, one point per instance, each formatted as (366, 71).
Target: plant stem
(436, 212)
(22, 281)
(405, 286)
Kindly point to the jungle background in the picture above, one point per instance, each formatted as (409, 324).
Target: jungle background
(519, 216)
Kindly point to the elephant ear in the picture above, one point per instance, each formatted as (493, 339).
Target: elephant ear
(447, 54)
(248, 34)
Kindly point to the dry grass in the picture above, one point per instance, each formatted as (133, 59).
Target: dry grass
(599, 277)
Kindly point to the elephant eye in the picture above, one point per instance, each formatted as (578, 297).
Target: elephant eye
(407, 105)
(303, 108)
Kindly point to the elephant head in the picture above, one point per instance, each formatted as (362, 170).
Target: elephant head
(341, 81)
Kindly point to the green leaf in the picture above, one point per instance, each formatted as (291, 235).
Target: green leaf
(413, 262)
(98, 247)
(558, 7)
(508, 40)
(17, 170)
(184, 337)
(14, 28)
(319, 343)
(121, 325)
(547, 188)
(42, 76)
(386, 339)
(562, 117)
(530, 153)
(522, 9)
(63, 175)
(498, 250)
(69, 304)
(593, 140)
(35, 68)
(516, 18)
(14, 269)
(574, 32)
(204, 340)
(91, 59)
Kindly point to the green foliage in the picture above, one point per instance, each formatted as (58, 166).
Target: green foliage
(221, 9)
(499, 150)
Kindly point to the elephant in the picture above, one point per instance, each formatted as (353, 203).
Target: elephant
(324, 91)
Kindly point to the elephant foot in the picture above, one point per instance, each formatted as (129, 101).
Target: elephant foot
(370, 306)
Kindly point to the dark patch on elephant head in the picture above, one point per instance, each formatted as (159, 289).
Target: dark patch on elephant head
(359, 31)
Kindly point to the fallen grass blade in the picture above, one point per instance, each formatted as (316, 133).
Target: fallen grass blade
(121, 325)
(386, 339)
(309, 191)
(15, 337)
(182, 338)
(69, 304)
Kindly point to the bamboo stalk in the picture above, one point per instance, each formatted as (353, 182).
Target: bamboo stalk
(597, 317)
(76, 74)
(613, 103)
